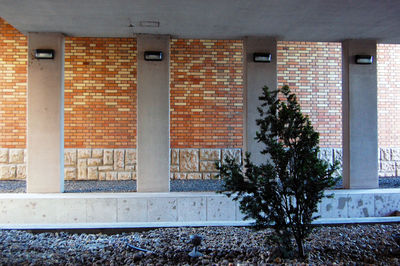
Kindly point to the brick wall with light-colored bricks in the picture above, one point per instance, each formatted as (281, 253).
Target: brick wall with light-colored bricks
(100, 93)
(388, 95)
(206, 105)
(206, 91)
(388, 59)
(313, 71)
(100, 108)
(13, 82)
(206, 102)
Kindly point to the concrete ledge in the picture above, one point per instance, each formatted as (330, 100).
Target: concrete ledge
(358, 203)
(127, 210)
(89, 208)
(364, 220)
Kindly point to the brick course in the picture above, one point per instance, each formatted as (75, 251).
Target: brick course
(100, 93)
(206, 93)
(13, 82)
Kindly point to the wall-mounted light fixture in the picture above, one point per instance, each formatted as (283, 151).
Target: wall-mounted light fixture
(364, 59)
(262, 57)
(44, 54)
(153, 56)
(149, 24)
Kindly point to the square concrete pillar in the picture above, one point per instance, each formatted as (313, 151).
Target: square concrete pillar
(360, 130)
(45, 125)
(153, 115)
(256, 76)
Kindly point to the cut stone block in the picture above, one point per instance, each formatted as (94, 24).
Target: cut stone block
(102, 176)
(180, 175)
(21, 171)
(388, 168)
(95, 162)
(111, 176)
(134, 176)
(210, 175)
(385, 154)
(232, 154)
(395, 154)
(326, 154)
(3, 155)
(93, 173)
(7, 172)
(338, 155)
(124, 176)
(130, 168)
(397, 172)
(119, 159)
(189, 160)
(108, 157)
(174, 168)
(84, 153)
(70, 157)
(82, 169)
(207, 166)
(16, 156)
(106, 168)
(130, 157)
(194, 176)
(70, 173)
(97, 153)
(174, 156)
(210, 154)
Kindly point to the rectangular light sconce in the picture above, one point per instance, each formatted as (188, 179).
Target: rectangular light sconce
(44, 54)
(364, 59)
(262, 57)
(153, 56)
(149, 24)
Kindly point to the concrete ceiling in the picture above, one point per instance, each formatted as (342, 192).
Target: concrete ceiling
(298, 20)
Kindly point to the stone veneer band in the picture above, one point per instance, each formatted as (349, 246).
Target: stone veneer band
(120, 164)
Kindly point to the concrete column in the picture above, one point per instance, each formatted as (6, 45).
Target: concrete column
(153, 115)
(256, 76)
(45, 130)
(360, 131)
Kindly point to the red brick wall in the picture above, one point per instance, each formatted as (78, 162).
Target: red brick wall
(313, 71)
(388, 95)
(13, 80)
(100, 93)
(206, 93)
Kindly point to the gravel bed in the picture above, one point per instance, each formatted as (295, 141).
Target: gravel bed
(12, 186)
(130, 186)
(350, 245)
